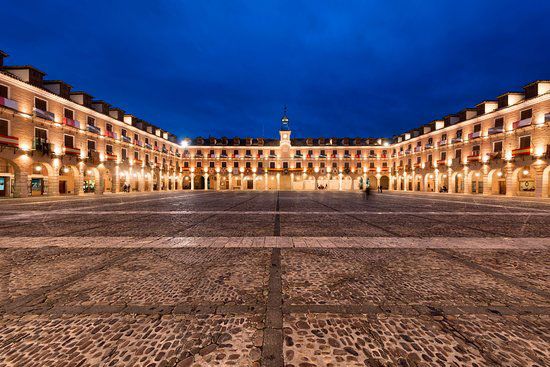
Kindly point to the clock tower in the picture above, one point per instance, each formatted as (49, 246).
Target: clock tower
(284, 131)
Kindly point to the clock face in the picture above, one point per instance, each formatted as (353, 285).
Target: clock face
(284, 136)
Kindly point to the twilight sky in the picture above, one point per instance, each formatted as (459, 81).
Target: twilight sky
(344, 68)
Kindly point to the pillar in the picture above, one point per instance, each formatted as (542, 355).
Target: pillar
(242, 181)
(205, 181)
(539, 189)
(510, 184)
(192, 181)
(217, 182)
(340, 182)
(52, 184)
(278, 181)
(467, 181)
(21, 185)
(266, 182)
(485, 180)
(230, 187)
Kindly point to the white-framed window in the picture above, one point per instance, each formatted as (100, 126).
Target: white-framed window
(124, 154)
(68, 113)
(4, 91)
(41, 104)
(41, 133)
(526, 114)
(525, 142)
(108, 149)
(4, 127)
(497, 146)
(68, 141)
(90, 121)
(91, 145)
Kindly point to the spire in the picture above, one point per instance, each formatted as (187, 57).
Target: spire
(284, 120)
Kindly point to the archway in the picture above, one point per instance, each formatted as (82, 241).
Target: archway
(372, 181)
(476, 182)
(199, 182)
(443, 182)
(39, 175)
(524, 181)
(68, 180)
(90, 181)
(429, 182)
(457, 180)
(496, 179)
(8, 169)
(418, 183)
(385, 182)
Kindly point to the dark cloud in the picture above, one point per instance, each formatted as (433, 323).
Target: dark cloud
(356, 68)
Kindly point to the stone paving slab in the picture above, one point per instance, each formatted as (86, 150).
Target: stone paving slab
(116, 340)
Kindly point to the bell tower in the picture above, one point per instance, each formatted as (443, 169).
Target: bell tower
(284, 131)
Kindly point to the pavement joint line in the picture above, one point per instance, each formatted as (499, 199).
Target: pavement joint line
(452, 255)
(277, 224)
(272, 347)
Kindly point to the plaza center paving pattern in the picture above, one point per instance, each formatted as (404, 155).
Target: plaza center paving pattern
(273, 279)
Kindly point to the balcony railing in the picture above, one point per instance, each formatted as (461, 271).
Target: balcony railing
(474, 157)
(126, 139)
(94, 129)
(4, 102)
(442, 142)
(496, 130)
(111, 157)
(41, 145)
(522, 123)
(10, 141)
(72, 151)
(138, 142)
(521, 152)
(156, 148)
(47, 115)
(347, 155)
(441, 162)
(322, 155)
(70, 122)
(417, 149)
(148, 146)
(408, 151)
(372, 155)
(110, 134)
(456, 140)
(474, 135)
(494, 155)
(429, 146)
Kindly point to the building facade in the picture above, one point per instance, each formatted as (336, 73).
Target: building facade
(56, 141)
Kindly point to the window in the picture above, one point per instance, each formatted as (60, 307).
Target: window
(4, 127)
(443, 156)
(68, 113)
(235, 164)
(430, 141)
(248, 152)
(211, 164)
(358, 165)
(346, 165)
(271, 164)
(224, 164)
(371, 165)
(136, 137)
(68, 141)
(459, 134)
(146, 140)
(91, 121)
(458, 154)
(430, 159)
(499, 122)
(271, 152)
(444, 137)
(124, 154)
(109, 149)
(309, 165)
(41, 134)
(322, 165)
(147, 158)
(526, 114)
(475, 150)
(91, 145)
(525, 142)
(260, 164)
(477, 128)
(310, 152)
(298, 164)
(199, 164)
(497, 147)
(40, 104)
(418, 160)
(123, 132)
(211, 152)
(109, 127)
(261, 152)
(3, 91)
(334, 165)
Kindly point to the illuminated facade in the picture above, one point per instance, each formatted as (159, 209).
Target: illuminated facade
(55, 141)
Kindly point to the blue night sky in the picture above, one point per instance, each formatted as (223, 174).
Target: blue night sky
(344, 68)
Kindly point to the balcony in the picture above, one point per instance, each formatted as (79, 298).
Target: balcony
(164, 150)
(417, 149)
(4, 102)
(9, 141)
(522, 123)
(156, 148)
(235, 156)
(322, 155)
(496, 130)
(138, 142)
(358, 156)
(46, 115)
(494, 155)
(372, 156)
(223, 155)
(474, 135)
(178, 154)
(110, 134)
(248, 156)
(418, 165)
(442, 142)
(198, 155)
(429, 146)
(273, 156)
(456, 140)
(72, 151)
(94, 129)
(111, 157)
(137, 162)
(298, 155)
(408, 151)
(347, 155)
(384, 156)
(41, 145)
(521, 152)
(474, 157)
(126, 139)
(441, 162)
(148, 146)
(70, 122)
(334, 156)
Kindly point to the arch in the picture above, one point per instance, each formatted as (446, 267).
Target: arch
(475, 179)
(443, 181)
(429, 182)
(418, 182)
(9, 172)
(68, 180)
(523, 181)
(90, 179)
(373, 181)
(199, 182)
(496, 181)
(385, 182)
(457, 182)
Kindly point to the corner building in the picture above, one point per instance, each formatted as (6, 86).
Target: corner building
(56, 141)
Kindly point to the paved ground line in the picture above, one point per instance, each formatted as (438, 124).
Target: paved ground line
(272, 350)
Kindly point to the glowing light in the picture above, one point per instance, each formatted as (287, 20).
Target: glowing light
(241, 169)
(499, 174)
(184, 143)
(477, 174)
(65, 169)
(38, 168)
(525, 172)
(316, 169)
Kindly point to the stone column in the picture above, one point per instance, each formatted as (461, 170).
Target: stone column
(278, 181)
(467, 181)
(242, 181)
(451, 186)
(21, 185)
(291, 180)
(510, 184)
(340, 176)
(205, 182)
(230, 187)
(485, 179)
(192, 181)
(315, 178)
(266, 181)
(539, 188)
(217, 182)
(52, 184)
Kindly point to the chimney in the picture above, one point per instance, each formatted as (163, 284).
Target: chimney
(3, 55)
(116, 113)
(58, 87)
(82, 98)
(486, 107)
(101, 107)
(508, 99)
(536, 88)
(27, 73)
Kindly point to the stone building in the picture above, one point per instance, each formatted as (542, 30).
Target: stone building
(56, 141)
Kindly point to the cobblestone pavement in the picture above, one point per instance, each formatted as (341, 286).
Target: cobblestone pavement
(274, 279)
